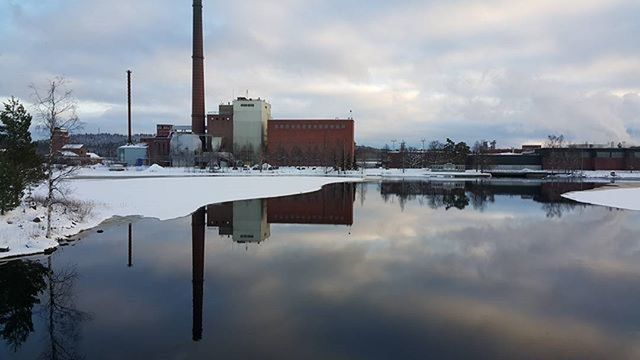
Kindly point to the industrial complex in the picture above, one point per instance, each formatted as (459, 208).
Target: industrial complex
(243, 131)
(240, 132)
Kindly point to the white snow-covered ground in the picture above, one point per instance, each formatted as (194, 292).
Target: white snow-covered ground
(604, 174)
(99, 171)
(159, 197)
(622, 198)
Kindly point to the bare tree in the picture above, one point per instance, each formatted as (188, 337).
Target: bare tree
(481, 158)
(55, 108)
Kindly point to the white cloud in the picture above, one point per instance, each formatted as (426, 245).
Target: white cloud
(510, 70)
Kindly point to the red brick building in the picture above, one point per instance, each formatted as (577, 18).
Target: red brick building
(590, 158)
(78, 149)
(59, 139)
(158, 147)
(311, 142)
(221, 125)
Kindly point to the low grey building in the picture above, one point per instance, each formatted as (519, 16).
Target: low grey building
(133, 155)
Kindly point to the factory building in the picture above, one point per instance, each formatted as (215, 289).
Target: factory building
(246, 129)
(311, 143)
(133, 155)
(250, 117)
(221, 125)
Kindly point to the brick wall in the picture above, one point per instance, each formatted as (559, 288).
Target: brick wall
(221, 126)
(310, 142)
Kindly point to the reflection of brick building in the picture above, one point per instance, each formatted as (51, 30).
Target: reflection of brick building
(221, 216)
(331, 205)
(311, 142)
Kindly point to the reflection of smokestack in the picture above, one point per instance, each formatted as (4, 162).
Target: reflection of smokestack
(197, 253)
(197, 91)
(129, 103)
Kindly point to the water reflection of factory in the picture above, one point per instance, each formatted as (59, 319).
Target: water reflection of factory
(249, 221)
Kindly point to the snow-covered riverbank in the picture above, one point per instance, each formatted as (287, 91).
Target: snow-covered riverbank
(627, 197)
(160, 197)
(99, 171)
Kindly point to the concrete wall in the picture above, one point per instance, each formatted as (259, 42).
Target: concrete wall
(250, 124)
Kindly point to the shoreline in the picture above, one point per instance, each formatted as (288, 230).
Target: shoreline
(145, 198)
(624, 196)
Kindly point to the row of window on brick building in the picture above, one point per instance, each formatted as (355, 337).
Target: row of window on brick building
(306, 126)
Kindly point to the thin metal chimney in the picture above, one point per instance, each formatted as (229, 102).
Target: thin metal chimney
(197, 91)
(129, 104)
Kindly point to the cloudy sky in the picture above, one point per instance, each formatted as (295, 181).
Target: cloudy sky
(514, 71)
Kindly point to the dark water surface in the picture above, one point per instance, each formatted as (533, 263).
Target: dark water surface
(395, 270)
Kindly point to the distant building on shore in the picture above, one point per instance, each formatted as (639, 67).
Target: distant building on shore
(246, 129)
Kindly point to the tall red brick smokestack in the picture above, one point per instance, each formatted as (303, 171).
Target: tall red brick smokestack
(197, 90)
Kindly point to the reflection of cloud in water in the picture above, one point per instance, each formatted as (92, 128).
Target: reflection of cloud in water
(496, 283)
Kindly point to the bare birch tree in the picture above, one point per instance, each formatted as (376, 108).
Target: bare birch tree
(55, 109)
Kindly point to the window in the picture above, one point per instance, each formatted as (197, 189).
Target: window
(636, 154)
(246, 105)
(617, 154)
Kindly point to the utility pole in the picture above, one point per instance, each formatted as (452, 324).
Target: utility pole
(423, 154)
(130, 141)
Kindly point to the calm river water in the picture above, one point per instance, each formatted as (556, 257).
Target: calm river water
(392, 270)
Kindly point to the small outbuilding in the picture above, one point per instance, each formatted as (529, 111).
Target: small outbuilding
(133, 155)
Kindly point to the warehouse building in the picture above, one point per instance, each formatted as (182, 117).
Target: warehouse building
(306, 142)
(246, 129)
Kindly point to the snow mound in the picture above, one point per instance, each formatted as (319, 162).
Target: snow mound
(155, 168)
